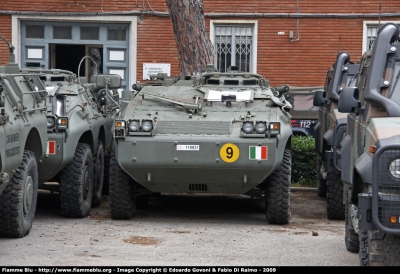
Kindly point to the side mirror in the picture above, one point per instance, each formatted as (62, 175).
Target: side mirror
(319, 98)
(113, 81)
(348, 100)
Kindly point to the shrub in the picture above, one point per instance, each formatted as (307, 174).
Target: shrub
(303, 161)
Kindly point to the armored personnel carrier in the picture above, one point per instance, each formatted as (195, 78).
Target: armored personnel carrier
(371, 153)
(23, 144)
(213, 133)
(329, 132)
(79, 121)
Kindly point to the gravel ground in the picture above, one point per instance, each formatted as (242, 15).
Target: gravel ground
(183, 230)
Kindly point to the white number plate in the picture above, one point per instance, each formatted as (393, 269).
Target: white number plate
(187, 147)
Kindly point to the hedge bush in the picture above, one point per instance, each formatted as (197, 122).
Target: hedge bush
(303, 161)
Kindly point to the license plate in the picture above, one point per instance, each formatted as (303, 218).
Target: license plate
(187, 147)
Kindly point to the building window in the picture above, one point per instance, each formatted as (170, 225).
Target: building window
(34, 31)
(370, 33)
(233, 47)
(89, 33)
(235, 44)
(116, 34)
(62, 32)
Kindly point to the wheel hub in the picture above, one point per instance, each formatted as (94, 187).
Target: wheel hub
(27, 195)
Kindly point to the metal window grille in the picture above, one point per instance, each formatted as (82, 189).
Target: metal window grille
(372, 32)
(233, 47)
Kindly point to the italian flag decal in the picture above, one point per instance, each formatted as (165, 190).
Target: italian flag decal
(258, 153)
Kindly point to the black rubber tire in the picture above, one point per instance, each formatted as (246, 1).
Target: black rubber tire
(351, 238)
(18, 200)
(122, 201)
(98, 175)
(76, 183)
(334, 196)
(379, 249)
(321, 182)
(107, 161)
(142, 201)
(363, 253)
(277, 192)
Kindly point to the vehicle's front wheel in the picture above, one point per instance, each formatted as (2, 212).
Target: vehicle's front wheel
(379, 249)
(351, 237)
(98, 175)
(277, 192)
(334, 196)
(76, 183)
(18, 200)
(122, 200)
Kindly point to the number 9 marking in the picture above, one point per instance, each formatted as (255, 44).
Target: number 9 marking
(229, 153)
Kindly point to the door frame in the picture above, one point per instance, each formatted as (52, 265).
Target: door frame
(131, 20)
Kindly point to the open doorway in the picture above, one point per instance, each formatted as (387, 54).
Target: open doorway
(68, 57)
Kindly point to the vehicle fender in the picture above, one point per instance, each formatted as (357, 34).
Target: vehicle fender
(347, 174)
(363, 165)
(318, 141)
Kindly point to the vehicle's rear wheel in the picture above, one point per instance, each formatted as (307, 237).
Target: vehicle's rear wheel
(277, 192)
(334, 196)
(379, 249)
(321, 182)
(98, 175)
(18, 200)
(76, 183)
(351, 237)
(122, 200)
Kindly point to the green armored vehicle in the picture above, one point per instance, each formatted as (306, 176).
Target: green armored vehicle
(213, 133)
(23, 145)
(371, 153)
(330, 130)
(79, 121)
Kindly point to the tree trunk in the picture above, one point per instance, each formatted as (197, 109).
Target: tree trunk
(195, 49)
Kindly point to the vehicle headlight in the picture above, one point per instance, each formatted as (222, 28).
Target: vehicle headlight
(248, 127)
(395, 168)
(261, 127)
(147, 125)
(50, 122)
(134, 125)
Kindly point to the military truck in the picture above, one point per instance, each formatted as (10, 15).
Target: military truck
(215, 132)
(23, 146)
(329, 132)
(371, 153)
(304, 113)
(79, 121)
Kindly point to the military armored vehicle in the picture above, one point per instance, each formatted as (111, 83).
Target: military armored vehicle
(329, 132)
(371, 153)
(216, 132)
(79, 121)
(23, 145)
